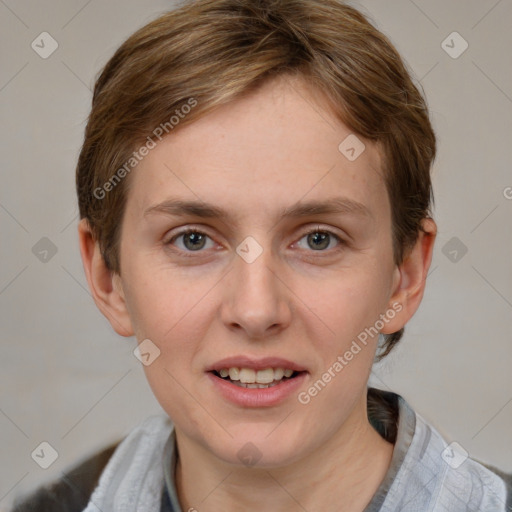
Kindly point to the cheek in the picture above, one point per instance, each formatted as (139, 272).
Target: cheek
(344, 305)
(160, 301)
(174, 313)
(344, 340)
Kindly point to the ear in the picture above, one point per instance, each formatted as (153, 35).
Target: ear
(106, 286)
(409, 278)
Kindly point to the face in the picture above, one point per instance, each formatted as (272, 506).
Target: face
(284, 259)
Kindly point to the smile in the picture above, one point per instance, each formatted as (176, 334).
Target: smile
(255, 379)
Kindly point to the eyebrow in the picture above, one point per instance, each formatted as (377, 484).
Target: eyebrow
(335, 205)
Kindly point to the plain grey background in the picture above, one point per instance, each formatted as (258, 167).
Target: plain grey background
(67, 379)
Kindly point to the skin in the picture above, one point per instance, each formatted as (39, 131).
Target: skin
(254, 157)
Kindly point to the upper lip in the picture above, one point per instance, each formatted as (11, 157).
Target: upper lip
(255, 363)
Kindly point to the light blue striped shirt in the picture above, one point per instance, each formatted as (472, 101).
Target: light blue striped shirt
(426, 474)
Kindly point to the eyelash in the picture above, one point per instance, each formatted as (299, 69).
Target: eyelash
(187, 231)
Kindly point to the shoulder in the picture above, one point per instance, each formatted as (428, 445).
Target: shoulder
(449, 477)
(476, 484)
(71, 492)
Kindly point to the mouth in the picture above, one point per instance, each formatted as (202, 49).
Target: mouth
(252, 383)
(250, 378)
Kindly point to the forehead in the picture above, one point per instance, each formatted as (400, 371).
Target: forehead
(261, 153)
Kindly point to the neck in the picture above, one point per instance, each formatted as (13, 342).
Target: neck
(342, 475)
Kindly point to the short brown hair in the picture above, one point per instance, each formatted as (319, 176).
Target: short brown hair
(213, 51)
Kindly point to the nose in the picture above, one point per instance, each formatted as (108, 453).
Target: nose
(255, 297)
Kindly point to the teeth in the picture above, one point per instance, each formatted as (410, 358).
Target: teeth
(254, 379)
(247, 376)
(278, 373)
(265, 376)
(254, 386)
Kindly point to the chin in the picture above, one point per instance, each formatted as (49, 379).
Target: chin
(254, 447)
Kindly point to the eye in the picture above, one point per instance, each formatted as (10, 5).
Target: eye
(320, 239)
(193, 240)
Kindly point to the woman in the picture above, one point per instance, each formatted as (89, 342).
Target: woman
(254, 192)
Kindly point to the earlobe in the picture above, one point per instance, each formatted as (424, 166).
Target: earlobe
(106, 287)
(409, 279)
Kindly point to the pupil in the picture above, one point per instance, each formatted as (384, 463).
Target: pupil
(319, 237)
(194, 238)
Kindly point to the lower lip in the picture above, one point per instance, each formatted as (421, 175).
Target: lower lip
(257, 397)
